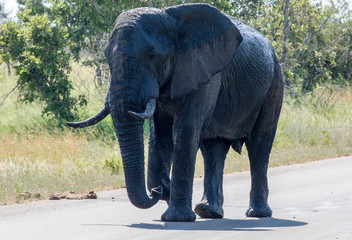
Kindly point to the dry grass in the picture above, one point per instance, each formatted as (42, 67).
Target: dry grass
(45, 164)
(38, 157)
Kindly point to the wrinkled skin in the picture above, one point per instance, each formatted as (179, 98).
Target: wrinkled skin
(206, 81)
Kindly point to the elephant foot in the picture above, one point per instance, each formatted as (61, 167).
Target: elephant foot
(261, 211)
(205, 210)
(178, 214)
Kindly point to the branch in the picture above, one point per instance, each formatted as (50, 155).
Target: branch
(284, 44)
(48, 104)
(344, 56)
(8, 94)
(96, 6)
(310, 38)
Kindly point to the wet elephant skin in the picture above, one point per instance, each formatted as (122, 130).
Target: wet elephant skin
(205, 81)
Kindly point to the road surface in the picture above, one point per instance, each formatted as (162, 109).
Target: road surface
(309, 201)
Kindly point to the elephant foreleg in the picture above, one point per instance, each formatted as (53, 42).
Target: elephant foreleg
(214, 153)
(190, 122)
(183, 160)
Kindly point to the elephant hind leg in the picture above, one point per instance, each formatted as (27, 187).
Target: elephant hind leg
(258, 151)
(214, 152)
(259, 145)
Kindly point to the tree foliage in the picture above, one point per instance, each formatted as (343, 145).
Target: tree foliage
(36, 47)
(318, 36)
(313, 42)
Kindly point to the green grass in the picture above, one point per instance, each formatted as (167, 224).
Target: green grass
(38, 157)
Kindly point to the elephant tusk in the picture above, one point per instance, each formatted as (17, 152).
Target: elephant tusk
(148, 112)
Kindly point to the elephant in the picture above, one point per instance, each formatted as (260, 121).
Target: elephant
(205, 81)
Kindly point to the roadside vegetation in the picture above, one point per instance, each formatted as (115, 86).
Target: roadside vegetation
(36, 156)
(52, 69)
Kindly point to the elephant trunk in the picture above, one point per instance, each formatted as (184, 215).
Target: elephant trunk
(129, 131)
(132, 151)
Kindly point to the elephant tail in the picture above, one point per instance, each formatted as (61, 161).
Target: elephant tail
(91, 121)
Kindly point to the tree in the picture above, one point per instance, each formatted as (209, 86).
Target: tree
(307, 51)
(33, 6)
(36, 47)
(312, 41)
(88, 25)
(3, 17)
(285, 37)
(339, 30)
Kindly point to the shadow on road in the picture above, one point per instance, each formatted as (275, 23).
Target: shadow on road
(260, 224)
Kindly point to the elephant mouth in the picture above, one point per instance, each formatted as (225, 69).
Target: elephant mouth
(148, 112)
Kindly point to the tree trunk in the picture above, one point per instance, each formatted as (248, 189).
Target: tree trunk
(8, 69)
(284, 45)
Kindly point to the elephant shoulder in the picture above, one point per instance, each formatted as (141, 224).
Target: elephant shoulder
(255, 54)
(252, 69)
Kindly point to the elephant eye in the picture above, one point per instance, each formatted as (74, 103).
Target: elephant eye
(152, 54)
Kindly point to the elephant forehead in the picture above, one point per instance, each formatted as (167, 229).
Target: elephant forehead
(138, 16)
(129, 39)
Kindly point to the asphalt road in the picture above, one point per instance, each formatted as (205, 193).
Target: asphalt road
(309, 201)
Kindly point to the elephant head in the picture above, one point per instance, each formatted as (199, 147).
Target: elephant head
(177, 48)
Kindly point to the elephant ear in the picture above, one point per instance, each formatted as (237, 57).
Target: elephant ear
(206, 41)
